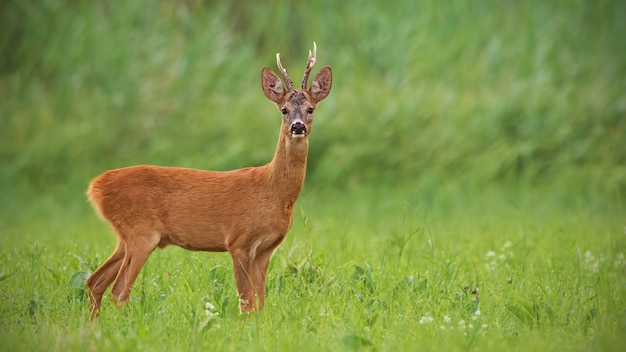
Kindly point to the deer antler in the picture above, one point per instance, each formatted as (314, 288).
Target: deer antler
(288, 81)
(309, 66)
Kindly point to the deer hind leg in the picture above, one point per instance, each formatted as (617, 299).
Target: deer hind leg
(136, 254)
(98, 282)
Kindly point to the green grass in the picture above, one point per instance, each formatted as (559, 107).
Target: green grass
(383, 271)
(465, 187)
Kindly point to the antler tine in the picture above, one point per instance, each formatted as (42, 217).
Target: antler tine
(309, 65)
(288, 81)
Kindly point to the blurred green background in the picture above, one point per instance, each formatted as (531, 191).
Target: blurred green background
(426, 94)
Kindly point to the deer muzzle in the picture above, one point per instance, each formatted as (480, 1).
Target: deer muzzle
(298, 129)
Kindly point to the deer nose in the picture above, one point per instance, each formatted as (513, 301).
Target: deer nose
(298, 129)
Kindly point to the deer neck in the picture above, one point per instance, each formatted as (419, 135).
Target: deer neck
(288, 168)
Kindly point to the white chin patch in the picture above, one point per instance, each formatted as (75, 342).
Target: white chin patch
(293, 135)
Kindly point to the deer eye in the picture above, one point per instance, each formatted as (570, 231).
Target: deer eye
(284, 111)
(310, 110)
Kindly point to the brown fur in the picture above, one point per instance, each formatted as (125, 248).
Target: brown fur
(245, 212)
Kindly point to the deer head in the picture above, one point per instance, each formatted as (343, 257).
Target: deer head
(297, 106)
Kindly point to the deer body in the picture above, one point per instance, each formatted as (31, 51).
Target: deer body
(246, 212)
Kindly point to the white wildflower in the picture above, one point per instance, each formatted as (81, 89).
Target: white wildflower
(619, 262)
(591, 263)
(209, 310)
(426, 320)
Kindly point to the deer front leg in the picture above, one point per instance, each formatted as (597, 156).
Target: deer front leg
(259, 273)
(242, 265)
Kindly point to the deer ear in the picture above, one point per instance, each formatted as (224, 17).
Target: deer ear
(272, 85)
(321, 84)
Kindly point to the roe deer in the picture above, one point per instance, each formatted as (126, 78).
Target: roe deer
(246, 212)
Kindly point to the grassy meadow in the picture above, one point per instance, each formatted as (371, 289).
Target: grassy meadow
(465, 186)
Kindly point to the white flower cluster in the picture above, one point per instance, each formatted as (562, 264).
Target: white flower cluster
(462, 325)
(593, 264)
(209, 310)
(210, 313)
(494, 259)
(427, 319)
(619, 263)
